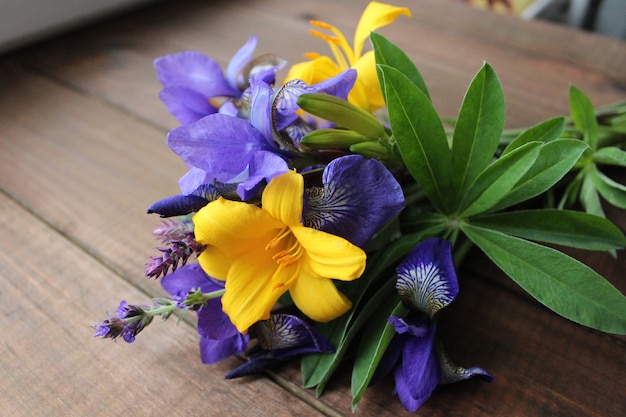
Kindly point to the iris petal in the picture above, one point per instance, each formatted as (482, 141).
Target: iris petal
(263, 167)
(215, 350)
(358, 197)
(218, 144)
(186, 105)
(426, 278)
(451, 373)
(260, 108)
(193, 179)
(234, 69)
(194, 71)
(419, 374)
(287, 335)
(187, 278)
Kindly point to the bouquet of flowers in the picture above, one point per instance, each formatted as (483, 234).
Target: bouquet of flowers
(328, 212)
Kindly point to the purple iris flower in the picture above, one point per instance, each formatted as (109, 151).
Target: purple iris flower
(280, 337)
(426, 283)
(357, 197)
(191, 80)
(219, 338)
(182, 204)
(234, 150)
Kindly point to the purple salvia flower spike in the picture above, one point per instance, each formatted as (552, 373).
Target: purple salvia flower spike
(219, 338)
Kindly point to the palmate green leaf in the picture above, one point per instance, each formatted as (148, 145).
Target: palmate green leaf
(610, 155)
(388, 53)
(317, 369)
(554, 161)
(373, 343)
(546, 131)
(561, 227)
(478, 129)
(556, 280)
(419, 135)
(495, 182)
(613, 192)
(584, 116)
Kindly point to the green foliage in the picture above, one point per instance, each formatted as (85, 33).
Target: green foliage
(419, 135)
(477, 131)
(558, 281)
(471, 180)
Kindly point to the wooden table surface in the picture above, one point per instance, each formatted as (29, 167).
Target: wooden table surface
(82, 154)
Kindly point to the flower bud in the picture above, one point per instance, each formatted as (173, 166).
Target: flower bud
(332, 139)
(343, 114)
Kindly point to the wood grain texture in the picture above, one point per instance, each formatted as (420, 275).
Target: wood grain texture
(51, 366)
(82, 154)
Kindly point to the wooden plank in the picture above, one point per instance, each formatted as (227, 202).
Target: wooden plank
(52, 291)
(89, 170)
(113, 60)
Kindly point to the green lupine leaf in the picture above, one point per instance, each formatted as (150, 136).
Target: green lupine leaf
(495, 182)
(572, 191)
(419, 135)
(610, 155)
(584, 116)
(612, 191)
(554, 161)
(317, 369)
(374, 341)
(388, 53)
(546, 131)
(561, 227)
(478, 129)
(561, 283)
(589, 196)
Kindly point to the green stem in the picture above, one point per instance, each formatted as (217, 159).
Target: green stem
(461, 251)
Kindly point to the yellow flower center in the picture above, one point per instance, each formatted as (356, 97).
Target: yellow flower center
(338, 44)
(286, 257)
(294, 250)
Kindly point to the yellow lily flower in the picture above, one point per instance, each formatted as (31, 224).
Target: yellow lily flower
(262, 252)
(366, 92)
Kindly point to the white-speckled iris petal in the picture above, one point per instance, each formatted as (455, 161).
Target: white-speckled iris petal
(426, 278)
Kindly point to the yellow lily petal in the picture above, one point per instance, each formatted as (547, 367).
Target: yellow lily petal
(330, 256)
(254, 284)
(234, 227)
(283, 198)
(314, 71)
(374, 16)
(318, 298)
(214, 262)
(367, 85)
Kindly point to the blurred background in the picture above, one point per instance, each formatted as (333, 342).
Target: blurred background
(607, 17)
(26, 21)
